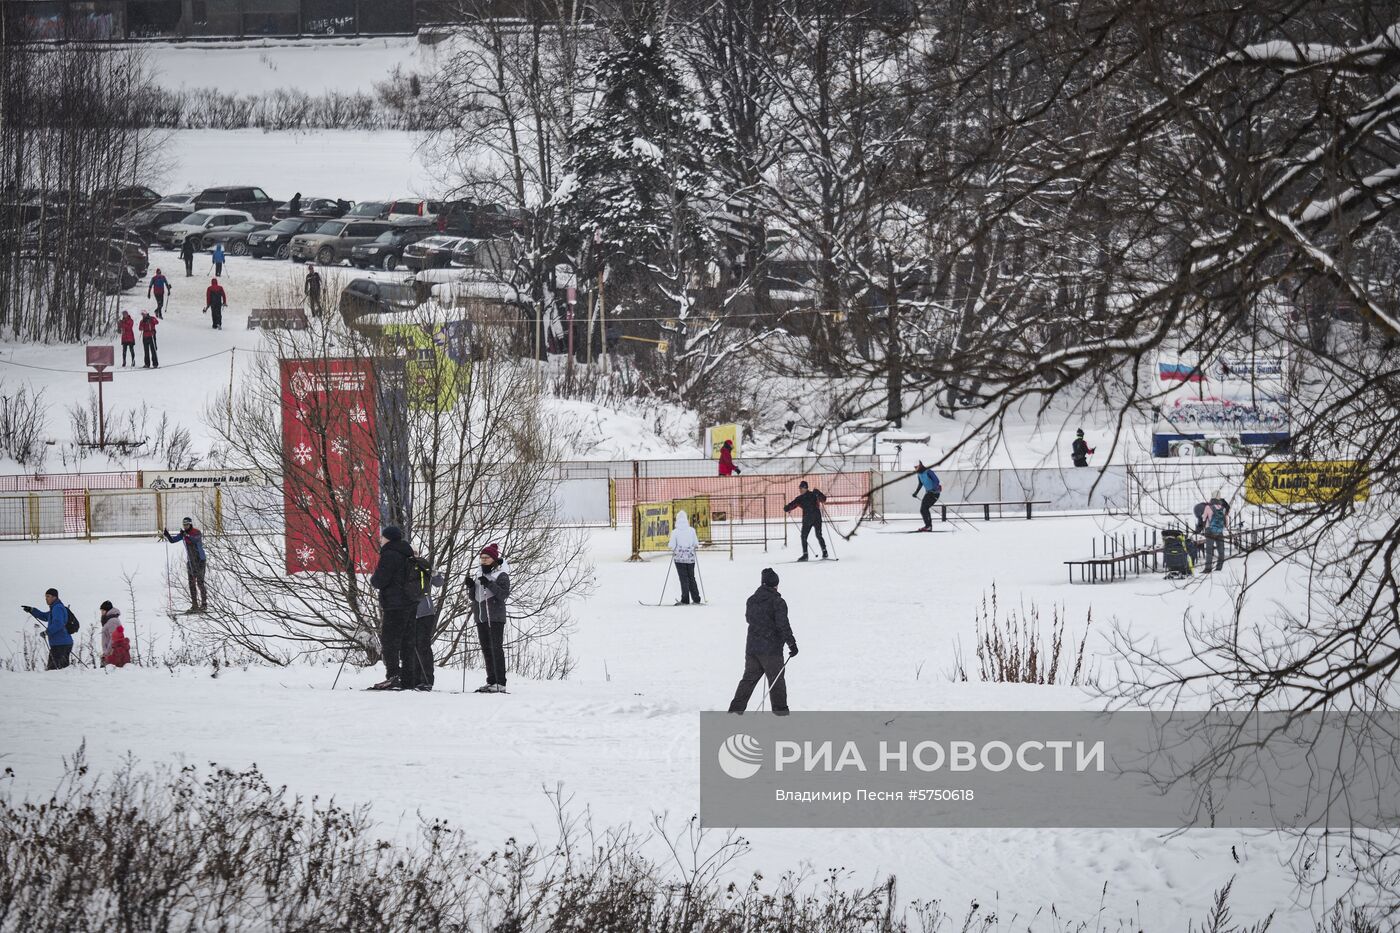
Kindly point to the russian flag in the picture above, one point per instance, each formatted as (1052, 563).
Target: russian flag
(1177, 372)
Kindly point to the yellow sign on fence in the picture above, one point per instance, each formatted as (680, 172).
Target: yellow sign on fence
(652, 526)
(697, 509)
(717, 435)
(1306, 481)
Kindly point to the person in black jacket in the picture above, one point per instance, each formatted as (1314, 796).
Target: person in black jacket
(398, 610)
(1080, 450)
(490, 591)
(187, 254)
(810, 501)
(767, 615)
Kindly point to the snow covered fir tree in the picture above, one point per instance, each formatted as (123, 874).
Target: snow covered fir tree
(751, 465)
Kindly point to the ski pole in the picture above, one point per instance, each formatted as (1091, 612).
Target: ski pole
(343, 659)
(662, 597)
(835, 532)
(769, 683)
(701, 576)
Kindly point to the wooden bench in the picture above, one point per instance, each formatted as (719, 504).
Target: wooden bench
(986, 507)
(277, 319)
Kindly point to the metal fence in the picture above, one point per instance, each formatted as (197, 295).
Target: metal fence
(93, 513)
(698, 467)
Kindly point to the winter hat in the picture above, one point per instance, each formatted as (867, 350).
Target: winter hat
(106, 605)
(1079, 433)
(769, 577)
(51, 591)
(727, 444)
(186, 521)
(802, 485)
(492, 551)
(392, 533)
(213, 281)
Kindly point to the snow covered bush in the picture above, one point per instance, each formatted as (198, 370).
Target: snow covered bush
(1013, 650)
(23, 420)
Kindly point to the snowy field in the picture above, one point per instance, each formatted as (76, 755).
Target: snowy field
(878, 630)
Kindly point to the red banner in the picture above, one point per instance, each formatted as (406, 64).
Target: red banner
(330, 467)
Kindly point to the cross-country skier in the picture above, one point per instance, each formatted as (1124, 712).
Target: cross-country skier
(810, 501)
(148, 342)
(218, 259)
(126, 326)
(196, 562)
(397, 609)
(490, 591)
(56, 629)
(1080, 449)
(214, 302)
(930, 489)
(767, 615)
(726, 460)
(1212, 521)
(685, 551)
(116, 648)
(158, 286)
(313, 290)
(187, 254)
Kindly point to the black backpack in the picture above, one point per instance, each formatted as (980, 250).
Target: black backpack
(418, 577)
(71, 626)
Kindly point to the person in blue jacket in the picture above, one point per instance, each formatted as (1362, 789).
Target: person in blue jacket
(56, 618)
(195, 561)
(931, 489)
(218, 259)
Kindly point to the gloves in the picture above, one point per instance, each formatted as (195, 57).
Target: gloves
(27, 608)
(792, 652)
(206, 310)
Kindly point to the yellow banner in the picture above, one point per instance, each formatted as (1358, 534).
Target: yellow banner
(720, 433)
(1306, 481)
(654, 526)
(697, 509)
(434, 381)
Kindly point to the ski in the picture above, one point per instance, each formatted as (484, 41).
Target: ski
(672, 605)
(824, 560)
(916, 531)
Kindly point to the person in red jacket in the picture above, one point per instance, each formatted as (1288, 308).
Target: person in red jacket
(148, 341)
(214, 302)
(726, 460)
(116, 648)
(126, 326)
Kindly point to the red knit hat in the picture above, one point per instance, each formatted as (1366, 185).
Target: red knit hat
(492, 551)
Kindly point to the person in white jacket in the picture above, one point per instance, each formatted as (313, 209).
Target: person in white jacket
(685, 551)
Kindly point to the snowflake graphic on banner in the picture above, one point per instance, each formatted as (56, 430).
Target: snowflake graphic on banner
(358, 415)
(362, 566)
(303, 501)
(302, 453)
(340, 446)
(359, 517)
(305, 555)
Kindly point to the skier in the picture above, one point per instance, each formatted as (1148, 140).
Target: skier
(726, 460)
(313, 290)
(116, 649)
(490, 591)
(1212, 520)
(148, 342)
(214, 302)
(195, 562)
(767, 615)
(218, 259)
(930, 489)
(810, 501)
(187, 254)
(158, 287)
(58, 629)
(685, 547)
(424, 628)
(294, 205)
(1080, 450)
(126, 326)
(397, 610)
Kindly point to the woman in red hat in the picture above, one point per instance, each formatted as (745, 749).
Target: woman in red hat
(491, 590)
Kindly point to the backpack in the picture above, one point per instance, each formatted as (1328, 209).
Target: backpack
(71, 626)
(418, 576)
(1217, 520)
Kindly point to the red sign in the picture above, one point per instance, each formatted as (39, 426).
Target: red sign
(100, 357)
(100, 376)
(330, 466)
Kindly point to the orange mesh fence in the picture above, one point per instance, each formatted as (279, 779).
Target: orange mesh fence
(747, 498)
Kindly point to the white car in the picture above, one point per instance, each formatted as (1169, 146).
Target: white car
(184, 199)
(409, 208)
(197, 224)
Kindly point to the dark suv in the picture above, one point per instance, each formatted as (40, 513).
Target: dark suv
(277, 239)
(150, 219)
(386, 250)
(366, 296)
(252, 200)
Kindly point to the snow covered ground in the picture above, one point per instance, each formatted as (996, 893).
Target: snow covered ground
(878, 630)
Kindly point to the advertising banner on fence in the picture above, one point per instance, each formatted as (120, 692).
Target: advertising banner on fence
(697, 509)
(653, 526)
(1050, 769)
(200, 479)
(330, 468)
(1306, 481)
(717, 435)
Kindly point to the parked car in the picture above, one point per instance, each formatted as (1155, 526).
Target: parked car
(479, 220)
(277, 239)
(492, 254)
(324, 208)
(134, 251)
(148, 220)
(128, 198)
(332, 242)
(197, 225)
(386, 250)
(183, 199)
(367, 296)
(405, 208)
(252, 200)
(369, 210)
(235, 238)
(435, 252)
